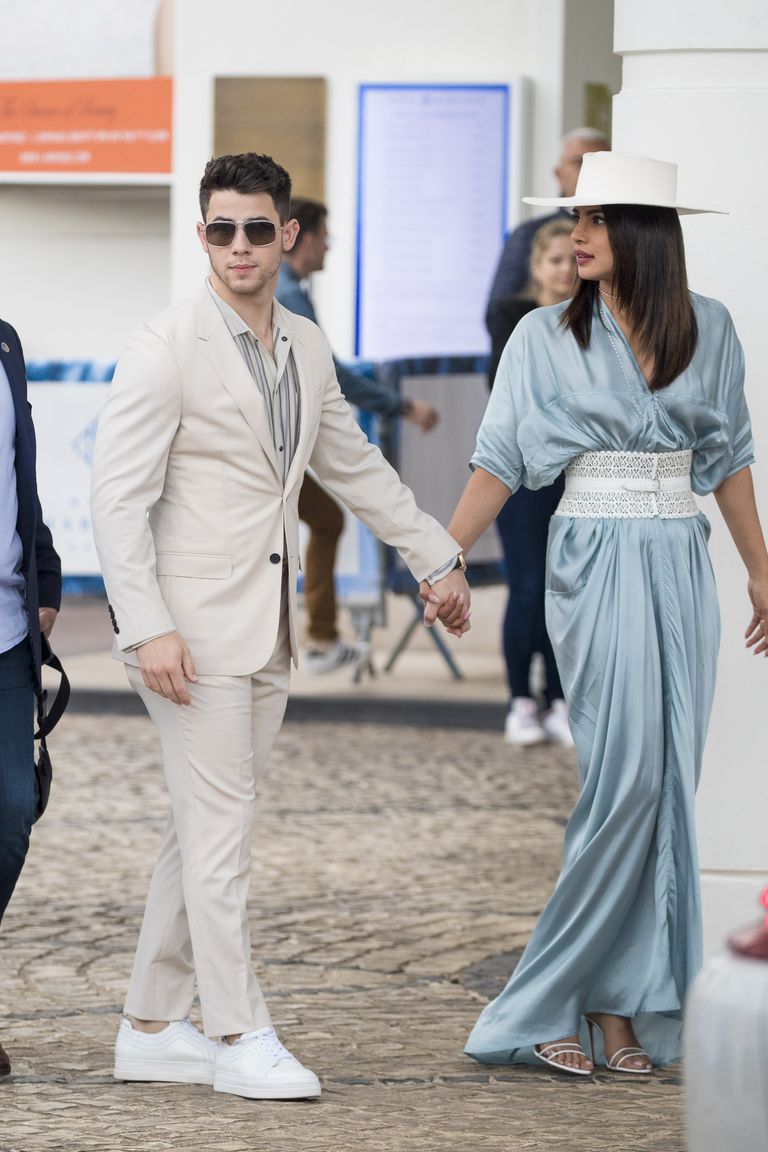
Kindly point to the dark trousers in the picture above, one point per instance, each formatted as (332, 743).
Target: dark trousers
(523, 524)
(325, 520)
(17, 764)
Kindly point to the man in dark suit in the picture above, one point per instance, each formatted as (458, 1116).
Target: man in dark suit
(513, 270)
(30, 597)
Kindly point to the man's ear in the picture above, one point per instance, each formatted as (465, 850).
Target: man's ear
(201, 236)
(291, 230)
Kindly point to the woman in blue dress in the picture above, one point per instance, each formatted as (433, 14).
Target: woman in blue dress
(635, 388)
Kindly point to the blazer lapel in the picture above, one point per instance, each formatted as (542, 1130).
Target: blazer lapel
(307, 395)
(222, 354)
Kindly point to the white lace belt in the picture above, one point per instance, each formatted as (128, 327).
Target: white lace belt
(628, 484)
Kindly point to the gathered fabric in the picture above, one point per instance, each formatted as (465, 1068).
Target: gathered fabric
(633, 618)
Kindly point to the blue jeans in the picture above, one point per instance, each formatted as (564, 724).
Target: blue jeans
(523, 525)
(17, 764)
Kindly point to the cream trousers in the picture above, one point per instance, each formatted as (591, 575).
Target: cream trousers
(196, 920)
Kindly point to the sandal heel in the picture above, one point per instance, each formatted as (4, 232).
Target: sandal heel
(616, 1061)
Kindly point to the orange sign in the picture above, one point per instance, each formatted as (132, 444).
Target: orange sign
(86, 126)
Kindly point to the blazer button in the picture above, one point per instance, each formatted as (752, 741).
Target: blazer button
(275, 559)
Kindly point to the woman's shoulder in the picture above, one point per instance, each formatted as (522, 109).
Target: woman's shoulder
(711, 315)
(542, 321)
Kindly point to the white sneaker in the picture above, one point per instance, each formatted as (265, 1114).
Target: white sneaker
(179, 1054)
(320, 660)
(556, 725)
(259, 1067)
(523, 725)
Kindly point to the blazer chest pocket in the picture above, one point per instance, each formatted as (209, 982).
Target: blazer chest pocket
(198, 565)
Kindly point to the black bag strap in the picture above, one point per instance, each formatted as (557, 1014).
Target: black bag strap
(47, 721)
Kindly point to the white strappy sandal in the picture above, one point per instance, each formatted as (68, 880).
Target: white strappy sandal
(617, 1061)
(547, 1053)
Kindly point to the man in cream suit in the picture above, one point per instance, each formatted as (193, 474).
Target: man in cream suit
(216, 410)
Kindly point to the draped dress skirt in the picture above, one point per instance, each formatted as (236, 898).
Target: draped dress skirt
(633, 617)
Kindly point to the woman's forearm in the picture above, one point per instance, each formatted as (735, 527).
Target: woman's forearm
(736, 500)
(480, 503)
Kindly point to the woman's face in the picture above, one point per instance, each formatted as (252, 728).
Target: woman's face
(591, 246)
(554, 270)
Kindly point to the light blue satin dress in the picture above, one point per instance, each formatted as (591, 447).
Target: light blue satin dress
(633, 618)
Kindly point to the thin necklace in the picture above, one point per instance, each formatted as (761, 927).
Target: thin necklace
(630, 389)
(607, 295)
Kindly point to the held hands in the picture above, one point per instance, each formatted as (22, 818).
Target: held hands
(448, 600)
(757, 631)
(166, 665)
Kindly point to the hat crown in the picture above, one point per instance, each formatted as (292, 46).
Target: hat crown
(620, 178)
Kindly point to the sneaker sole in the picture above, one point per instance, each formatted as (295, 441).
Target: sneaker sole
(239, 1086)
(560, 742)
(525, 741)
(159, 1072)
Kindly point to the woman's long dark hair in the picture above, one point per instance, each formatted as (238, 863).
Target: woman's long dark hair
(650, 286)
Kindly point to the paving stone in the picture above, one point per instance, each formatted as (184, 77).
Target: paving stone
(397, 874)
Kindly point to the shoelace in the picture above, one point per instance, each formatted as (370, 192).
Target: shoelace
(270, 1045)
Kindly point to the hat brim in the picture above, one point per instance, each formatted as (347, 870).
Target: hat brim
(580, 202)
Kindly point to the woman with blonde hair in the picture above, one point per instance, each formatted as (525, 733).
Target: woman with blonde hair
(635, 388)
(523, 522)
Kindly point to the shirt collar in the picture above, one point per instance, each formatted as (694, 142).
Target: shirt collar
(234, 321)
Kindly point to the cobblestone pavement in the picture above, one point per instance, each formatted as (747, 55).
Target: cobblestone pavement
(397, 874)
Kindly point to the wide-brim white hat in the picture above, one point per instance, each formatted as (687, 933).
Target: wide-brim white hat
(620, 178)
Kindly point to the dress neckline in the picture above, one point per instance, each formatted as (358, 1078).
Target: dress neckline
(627, 347)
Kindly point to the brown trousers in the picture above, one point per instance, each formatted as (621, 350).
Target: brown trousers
(325, 521)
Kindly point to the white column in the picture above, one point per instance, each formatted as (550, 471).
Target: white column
(695, 90)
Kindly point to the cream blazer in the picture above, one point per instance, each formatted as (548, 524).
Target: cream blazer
(190, 516)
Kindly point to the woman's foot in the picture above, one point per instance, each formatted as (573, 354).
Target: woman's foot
(622, 1052)
(567, 1055)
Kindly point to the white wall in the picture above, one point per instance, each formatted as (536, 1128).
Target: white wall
(351, 43)
(588, 57)
(82, 267)
(695, 90)
(58, 39)
(344, 40)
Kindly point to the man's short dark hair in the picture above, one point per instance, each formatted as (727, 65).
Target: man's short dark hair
(311, 215)
(246, 173)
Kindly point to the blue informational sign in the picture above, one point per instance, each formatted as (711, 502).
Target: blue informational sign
(432, 198)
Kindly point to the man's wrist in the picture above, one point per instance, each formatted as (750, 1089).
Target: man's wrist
(444, 570)
(406, 406)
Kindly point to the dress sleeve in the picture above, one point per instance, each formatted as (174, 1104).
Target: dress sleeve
(497, 449)
(711, 469)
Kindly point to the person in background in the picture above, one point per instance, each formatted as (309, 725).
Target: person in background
(523, 522)
(511, 274)
(30, 598)
(317, 509)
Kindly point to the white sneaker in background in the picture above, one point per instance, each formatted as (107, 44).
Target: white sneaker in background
(260, 1067)
(320, 660)
(556, 725)
(523, 725)
(177, 1055)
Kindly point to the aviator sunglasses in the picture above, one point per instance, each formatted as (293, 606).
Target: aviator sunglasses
(259, 233)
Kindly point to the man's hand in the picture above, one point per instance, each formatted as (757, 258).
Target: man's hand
(47, 620)
(166, 665)
(423, 415)
(448, 600)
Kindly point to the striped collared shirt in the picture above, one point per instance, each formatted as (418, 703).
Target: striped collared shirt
(277, 378)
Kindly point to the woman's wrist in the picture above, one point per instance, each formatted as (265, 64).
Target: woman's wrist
(759, 571)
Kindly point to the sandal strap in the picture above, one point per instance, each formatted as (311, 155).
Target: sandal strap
(559, 1049)
(617, 1059)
